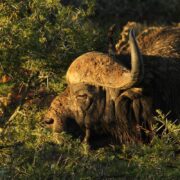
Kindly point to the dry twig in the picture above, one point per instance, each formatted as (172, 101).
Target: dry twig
(7, 121)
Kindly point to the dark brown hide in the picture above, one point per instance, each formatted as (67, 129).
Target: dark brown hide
(59, 116)
(118, 97)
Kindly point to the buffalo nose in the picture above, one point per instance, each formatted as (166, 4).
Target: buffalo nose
(49, 121)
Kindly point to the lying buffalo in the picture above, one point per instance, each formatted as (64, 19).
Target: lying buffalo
(118, 96)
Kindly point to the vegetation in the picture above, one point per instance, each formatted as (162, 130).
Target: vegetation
(33, 152)
(43, 36)
(38, 41)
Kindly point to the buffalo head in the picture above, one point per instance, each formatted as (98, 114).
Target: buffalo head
(118, 95)
(104, 96)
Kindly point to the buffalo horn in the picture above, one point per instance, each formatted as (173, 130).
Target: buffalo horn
(137, 67)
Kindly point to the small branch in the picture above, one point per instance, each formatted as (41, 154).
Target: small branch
(21, 102)
(11, 117)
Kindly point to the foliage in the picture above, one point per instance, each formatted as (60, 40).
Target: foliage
(34, 152)
(44, 36)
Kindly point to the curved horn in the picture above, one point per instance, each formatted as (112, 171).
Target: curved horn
(137, 66)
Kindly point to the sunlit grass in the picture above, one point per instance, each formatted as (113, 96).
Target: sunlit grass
(28, 150)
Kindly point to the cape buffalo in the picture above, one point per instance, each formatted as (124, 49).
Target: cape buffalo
(119, 95)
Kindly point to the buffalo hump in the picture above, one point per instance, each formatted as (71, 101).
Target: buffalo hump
(97, 69)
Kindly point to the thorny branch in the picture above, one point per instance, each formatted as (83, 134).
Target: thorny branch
(32, 81)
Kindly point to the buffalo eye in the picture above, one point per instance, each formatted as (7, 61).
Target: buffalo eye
(84, 101)
(82, 96)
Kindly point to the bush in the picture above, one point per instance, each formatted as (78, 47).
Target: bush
(34, 152)
(44, 35)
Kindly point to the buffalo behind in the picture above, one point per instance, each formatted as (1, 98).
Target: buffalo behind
(117, 96)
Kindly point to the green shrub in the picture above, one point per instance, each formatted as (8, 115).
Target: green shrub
(44, 35)
(27, 150)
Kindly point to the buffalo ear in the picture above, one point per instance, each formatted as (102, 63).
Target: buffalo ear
(122, 108)
(125, 119)
(134, 116)
(142, 108)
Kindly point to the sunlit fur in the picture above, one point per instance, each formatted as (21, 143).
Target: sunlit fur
(125, 115)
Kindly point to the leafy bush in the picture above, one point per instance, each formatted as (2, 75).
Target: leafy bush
(44, 35)
(34, 152)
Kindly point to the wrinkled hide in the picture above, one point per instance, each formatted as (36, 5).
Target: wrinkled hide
(59, 116)
(118, 96)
